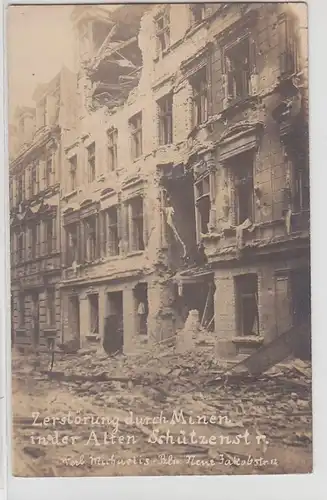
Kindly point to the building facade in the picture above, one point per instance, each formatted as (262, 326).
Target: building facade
(184, 176)
(35, 158)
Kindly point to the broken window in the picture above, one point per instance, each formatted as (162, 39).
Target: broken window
(135, 224)
(48, 171)
(72, 172)
(199, 83)
(91, 162)
(94, 313)
(198, 12)
(112, 136)
(247, 312)
(165, 107)
(111, 239)
(244, 188)
(91, 240)
(135, 124)
(287, 45)
(238, 68)
(163, 31)
(51, 307)
(202, 203)
(72, 243)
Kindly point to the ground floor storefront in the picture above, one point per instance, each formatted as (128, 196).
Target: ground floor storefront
(119, 315)
(35, 311)
(257, 302)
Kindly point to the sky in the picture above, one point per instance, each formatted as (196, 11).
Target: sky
(39, 42)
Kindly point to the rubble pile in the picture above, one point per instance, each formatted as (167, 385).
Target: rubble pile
(278, 404)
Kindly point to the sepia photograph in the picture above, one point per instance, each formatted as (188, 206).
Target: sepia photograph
(159, 187)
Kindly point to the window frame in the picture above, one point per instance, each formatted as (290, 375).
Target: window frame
(229, 75)
(51, 307)
(162, 33)
(165, 115)
(199, 82)
(112, 149)
(136, 133)
(200, 195)
(91, 162)
(73, 171)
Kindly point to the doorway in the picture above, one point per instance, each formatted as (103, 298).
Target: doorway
(113, 340)
(74, 317)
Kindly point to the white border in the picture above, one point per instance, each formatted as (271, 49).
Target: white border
(288, 487)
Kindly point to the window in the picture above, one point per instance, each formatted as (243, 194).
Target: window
(238, 69)
(163, 31)
(244, 188)
(112, 149)
(287, 45)
(203, 205)
(35, 240)
(199, 85)
(72, 243)
(91, 240)
(48, 172)
(20, 246)
(301, 191)
(94, 313)
(198, 12)
(50, 235)
(135, 226)
(91, 162)
(110, 232)
(247, 313)
(20, 188)
(21, 310)
(72, 172)
(136, 135)
(165, 106)
(51, 307)
(34, 180)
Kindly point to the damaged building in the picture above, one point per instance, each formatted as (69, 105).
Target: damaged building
(34, 177)
(184, 176)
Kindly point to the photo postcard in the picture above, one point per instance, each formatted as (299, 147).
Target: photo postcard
(159, 239)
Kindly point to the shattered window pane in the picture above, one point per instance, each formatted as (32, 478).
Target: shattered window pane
(91, 162)
(136, 135)
(200, 97)
(237, 68)
(165, 106)
(163, 31)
